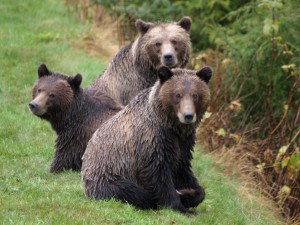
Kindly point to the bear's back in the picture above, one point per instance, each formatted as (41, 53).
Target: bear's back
(114, 145)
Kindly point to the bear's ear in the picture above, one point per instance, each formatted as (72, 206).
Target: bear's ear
(43, 71)
(75, 81)
(142, 27)
(204, 74)
(164, 73)
(185, 23)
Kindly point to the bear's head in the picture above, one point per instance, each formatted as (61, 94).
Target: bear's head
(184, 94)
(166, 44)
(53, 94)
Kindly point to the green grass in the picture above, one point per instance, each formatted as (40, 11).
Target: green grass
(35, 32)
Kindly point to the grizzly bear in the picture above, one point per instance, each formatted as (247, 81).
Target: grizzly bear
(145, 159)
(73, 113)
(134, 68)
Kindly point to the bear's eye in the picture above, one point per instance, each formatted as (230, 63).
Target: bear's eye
(174, 42)
(39, 90)
(158, 44)
(195, 97)
(51, 95)
(178, 96)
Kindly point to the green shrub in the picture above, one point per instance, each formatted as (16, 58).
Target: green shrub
(205, 14)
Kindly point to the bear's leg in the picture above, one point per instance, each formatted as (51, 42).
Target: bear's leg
(57, 166)
(173, 200)
(120, 189)
(186, 184)
(134, 194)
(159, 179)
(190, 192)
(191, 197)
(65, 160)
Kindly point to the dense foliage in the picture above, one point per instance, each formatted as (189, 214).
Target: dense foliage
(257, 93)
(205, 14)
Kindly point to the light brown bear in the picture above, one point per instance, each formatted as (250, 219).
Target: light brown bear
(73, 113)
(134, 68)
(143, 154)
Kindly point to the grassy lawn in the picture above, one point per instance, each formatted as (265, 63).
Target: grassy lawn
(35, 32)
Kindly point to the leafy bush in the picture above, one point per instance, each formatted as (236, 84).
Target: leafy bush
(205, 14)
(256, 92)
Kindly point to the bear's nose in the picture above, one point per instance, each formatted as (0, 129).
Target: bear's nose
(188, 117)
(32, 105)
(168, 57)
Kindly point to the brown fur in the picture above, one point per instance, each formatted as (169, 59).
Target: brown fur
(73, 113)
(134, 68)
(145, 159)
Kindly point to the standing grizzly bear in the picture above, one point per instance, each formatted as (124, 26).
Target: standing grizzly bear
(73, 113)
(134, 68)
(145, 159)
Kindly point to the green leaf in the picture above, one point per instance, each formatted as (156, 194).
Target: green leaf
(285, 190)
(267, 27)
(206, 115)
(265, 5)
(276, 4)
(221, 132)
(283, 149)
(286, 68)
(294, 163)
(285, 161)
(275, 27)
(281, 152)
(260, 167)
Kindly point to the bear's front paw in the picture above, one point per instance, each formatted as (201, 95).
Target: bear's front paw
(191, 197)
(178, 206)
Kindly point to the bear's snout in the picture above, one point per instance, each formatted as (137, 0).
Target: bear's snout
(35, 108)
(186, 112)
(169, 60)
(188, 117)
(33, 105)
(168, 57)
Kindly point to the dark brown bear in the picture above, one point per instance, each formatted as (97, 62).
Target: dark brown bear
(73, 113)
(145, 159)
(134, 68)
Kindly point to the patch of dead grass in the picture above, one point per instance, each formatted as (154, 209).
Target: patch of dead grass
(102, 40)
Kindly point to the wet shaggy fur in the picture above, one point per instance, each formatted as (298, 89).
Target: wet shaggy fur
(73, 113)
(146, 157)
(134, 68)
